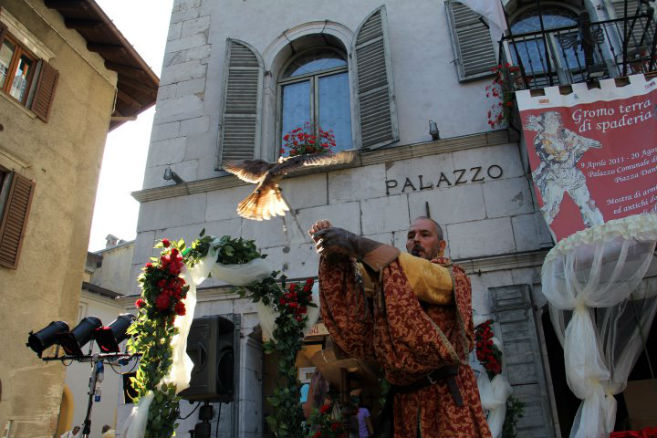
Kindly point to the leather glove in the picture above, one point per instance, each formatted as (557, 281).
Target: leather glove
(334, 240)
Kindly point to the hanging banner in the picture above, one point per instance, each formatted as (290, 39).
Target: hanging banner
(592, 152)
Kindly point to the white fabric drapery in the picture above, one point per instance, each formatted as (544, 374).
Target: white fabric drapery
(595, 271)
(180, 372)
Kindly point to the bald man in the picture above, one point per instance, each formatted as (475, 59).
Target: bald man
(412, 314)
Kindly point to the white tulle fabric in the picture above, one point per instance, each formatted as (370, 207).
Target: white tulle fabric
(267, 316)
(494, 394)
(599, 268)
(181, 369)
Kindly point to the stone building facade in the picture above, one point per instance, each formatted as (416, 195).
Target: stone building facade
(236, 77)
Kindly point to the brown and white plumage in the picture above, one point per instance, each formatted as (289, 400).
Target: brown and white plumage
(266, 200)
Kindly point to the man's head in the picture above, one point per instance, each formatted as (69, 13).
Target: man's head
(76, 429)
(425, 238)
(106, 428)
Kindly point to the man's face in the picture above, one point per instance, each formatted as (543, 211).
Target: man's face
(76, 429)
(423, 240)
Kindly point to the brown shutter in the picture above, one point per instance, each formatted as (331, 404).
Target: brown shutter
(3, 31)
(376, 96)
(45, 91)
(14, 220)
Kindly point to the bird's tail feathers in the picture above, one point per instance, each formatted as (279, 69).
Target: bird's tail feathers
(263, 205)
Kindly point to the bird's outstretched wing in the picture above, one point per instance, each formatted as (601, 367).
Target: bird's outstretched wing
(250, 171)
(322, 159)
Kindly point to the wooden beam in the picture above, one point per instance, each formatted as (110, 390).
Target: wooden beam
(79, 24)
(124, 97)
(66, 5)
(108, 49)
(126, 70)
(130, 82)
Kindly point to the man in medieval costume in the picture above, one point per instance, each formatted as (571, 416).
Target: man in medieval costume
(412, 314)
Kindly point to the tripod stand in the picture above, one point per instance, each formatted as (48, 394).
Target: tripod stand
(97, 373)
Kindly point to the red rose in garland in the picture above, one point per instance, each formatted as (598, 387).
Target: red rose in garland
(488, 354)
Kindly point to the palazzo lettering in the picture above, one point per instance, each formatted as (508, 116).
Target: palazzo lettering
(444, 179)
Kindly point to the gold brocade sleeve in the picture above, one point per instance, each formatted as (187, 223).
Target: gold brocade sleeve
(432, 283)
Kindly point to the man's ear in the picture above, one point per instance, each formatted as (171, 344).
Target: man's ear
(442, 244)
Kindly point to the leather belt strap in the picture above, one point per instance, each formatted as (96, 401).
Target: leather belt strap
(446, 373)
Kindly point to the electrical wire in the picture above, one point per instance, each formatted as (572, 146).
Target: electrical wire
(190, 414)
(121, 373)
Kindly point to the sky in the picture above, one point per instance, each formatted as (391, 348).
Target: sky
(124, 161)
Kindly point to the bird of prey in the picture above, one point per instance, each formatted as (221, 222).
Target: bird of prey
(266, 200)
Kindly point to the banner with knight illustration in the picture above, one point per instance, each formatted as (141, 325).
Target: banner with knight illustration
(592, 152)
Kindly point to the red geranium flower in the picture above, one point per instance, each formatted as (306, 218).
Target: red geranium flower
(324, 409)
(180, 308)
(140, 303)
(166, 243)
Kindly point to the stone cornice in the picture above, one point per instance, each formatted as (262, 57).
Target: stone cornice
(365, 158)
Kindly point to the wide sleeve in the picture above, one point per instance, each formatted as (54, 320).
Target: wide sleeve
(432, 283)
(344, 309)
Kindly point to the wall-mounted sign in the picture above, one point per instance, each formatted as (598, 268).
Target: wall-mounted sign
(443, 179)
(593, 152)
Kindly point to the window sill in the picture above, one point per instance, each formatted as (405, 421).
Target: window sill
(17, 104)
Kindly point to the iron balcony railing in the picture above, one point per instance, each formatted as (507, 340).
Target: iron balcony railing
(567, 55)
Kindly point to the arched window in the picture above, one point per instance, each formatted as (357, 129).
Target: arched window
(315, 89)
(562, 58)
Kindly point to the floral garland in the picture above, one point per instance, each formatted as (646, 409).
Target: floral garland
(501, 89)
(163, 292)
(301, 141)
(490, 357)
(488, 354)
(291, 302)
(324, 425)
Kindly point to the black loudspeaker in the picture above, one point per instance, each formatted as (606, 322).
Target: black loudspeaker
(212, 345)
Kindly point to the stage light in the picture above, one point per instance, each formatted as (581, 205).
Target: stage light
(46, 337)
(109, 338)
(73, 341)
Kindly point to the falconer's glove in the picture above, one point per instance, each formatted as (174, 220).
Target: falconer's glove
(338, 240)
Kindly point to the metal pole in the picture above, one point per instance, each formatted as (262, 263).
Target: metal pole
(545, 41)
(97, 364)
(625, 38)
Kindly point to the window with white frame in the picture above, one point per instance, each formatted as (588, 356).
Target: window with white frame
(314, 89)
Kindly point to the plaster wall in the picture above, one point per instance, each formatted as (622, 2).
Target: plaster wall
(114, 273)
(63, 157)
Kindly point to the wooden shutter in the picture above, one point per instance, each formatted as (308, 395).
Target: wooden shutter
(14, 219)
(522, 350)
(3, 31)
(376, 99)
(473, 47)
(240, 127)
(45, 90)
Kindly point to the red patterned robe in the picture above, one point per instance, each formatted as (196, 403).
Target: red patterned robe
(409, 338)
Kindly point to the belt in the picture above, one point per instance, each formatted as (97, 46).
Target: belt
(446, 373)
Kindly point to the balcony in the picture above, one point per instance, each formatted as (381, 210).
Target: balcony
(581, 53)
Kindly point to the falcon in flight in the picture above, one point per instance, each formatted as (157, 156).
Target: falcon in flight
(266, 200)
